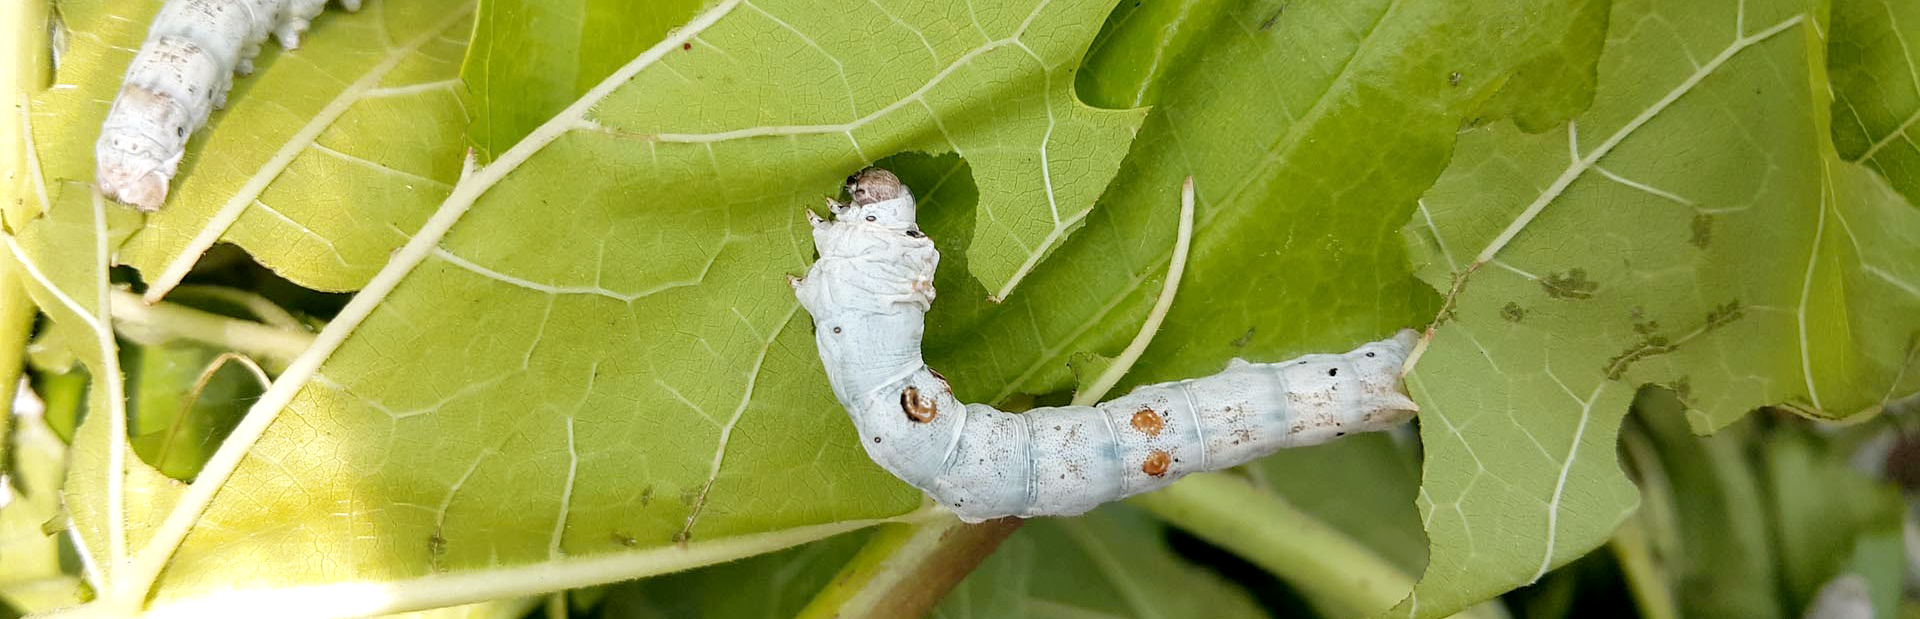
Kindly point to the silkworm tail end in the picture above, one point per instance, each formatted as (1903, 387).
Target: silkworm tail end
(1397, 401)
(1406, 338)
(143, 190)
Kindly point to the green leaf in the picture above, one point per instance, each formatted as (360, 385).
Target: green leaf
(1294, 248)
(63, 256)
(529, 60)
(33, 578)
(780, 584)
(1113, 562)
(1614, 252)
(325, 160)
(1876, 82)
(628, 387)
(181, 405)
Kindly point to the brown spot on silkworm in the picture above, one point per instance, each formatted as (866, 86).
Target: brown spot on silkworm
(873, 185)
(1147, 422)
(1156, 463)
(920, 411)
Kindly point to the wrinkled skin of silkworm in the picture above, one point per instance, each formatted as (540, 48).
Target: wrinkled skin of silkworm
(179, 76)
(868, 294)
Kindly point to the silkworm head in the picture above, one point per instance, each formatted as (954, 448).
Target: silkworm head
(872, 185)
(880, 199)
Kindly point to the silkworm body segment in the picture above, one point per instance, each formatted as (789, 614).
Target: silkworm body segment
(181, 73)
(868, 294)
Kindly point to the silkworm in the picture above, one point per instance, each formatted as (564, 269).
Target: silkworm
(181, 73)
(868, 293)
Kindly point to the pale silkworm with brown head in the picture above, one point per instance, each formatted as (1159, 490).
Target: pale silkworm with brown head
(868, 294)
(182, 72)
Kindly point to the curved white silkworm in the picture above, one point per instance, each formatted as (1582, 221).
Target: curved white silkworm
(179, 76)
(868, 294)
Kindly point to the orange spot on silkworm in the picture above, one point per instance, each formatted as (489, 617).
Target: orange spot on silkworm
(1156, 463)
(1147, 422)
(919, 410)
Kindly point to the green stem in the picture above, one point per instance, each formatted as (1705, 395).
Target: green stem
(161, 322)
(16, 323)
(1340, 574)
(21, 74)
(193, 395)
(1645, 578)
(907, 568)
(1177, 265)
(255, 304)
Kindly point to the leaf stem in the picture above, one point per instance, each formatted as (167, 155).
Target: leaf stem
(907, 568)
(1093, 392)
(531, 580)
(193, 395)
(1335, 570)
(1645, 578)
(164, 322)
(255, 304)
(16, 323)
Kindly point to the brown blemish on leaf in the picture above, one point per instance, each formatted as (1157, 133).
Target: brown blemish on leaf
(1683, 389)
(1651, 346)
(623, 539)
(1512, 312)
(917, 409)
(1653, 343)
(1725, 313)
(1243, 340)
(1147, 422)
(1268, 23)
(1156, 463)
(1702, 230)
(436, 548)
(1572, 284)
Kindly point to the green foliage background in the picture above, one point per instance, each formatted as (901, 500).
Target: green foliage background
(574, 360)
